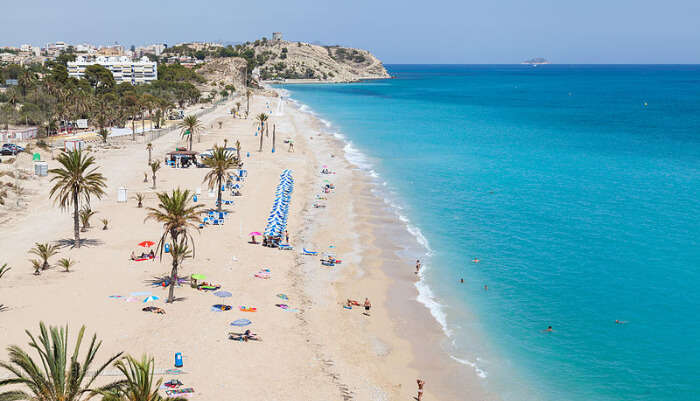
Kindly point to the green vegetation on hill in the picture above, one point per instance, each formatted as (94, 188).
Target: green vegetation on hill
(46, 96)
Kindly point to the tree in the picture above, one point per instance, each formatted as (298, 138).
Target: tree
(99, 78)
(248, 94)
(66, 263)
(58, 376)
(44, 252)
(139, 197)
(3, 270)
(85, 214)
(139, 384)
(190, 126)
(155, 166)
(177, 216)
(149, 148)
(261, 118)
(238, 151)
(76, 181)
(220, 162)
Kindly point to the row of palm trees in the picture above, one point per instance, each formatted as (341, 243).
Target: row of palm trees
(58, 375)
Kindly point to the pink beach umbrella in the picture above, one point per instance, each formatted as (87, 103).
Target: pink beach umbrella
(252, 236)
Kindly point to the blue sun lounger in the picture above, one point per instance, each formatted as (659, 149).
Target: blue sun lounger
(310, 253)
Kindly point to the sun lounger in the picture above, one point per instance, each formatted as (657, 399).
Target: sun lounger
(309, 253)
(285, 247)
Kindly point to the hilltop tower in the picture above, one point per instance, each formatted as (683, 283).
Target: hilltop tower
(277, 36)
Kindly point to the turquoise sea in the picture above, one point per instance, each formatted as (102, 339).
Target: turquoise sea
(577, 188)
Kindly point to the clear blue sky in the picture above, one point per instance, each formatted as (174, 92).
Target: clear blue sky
(397, 31)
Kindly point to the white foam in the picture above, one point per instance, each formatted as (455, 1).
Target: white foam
(479, 372)
(426, 297)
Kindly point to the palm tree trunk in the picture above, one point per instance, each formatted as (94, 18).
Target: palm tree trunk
(261, 140)
(76, 217)
(154, 180)
(149, 156)
(191, 134)
(173, 281)
(218, 196)
(133, 128)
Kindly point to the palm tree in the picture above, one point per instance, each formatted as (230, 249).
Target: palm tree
(177, 216)
(248, 94)
(155, 166)
(139, 384)
(74, 181)
(139, 198)
(57, 376)
(36, 264)
(105, 223)
(261, 118)
(44, 252)
(85, 214)
(220, 162)
(4, 269)
(149, 148)
(190, 126)
(66, 263)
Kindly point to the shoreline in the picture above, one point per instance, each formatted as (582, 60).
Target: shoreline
(381, 222)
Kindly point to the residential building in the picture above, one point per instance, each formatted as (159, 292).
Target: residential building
(277, 36)
(123, 68)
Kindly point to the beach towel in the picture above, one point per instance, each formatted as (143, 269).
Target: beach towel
(247, 309)
(115, 296)
(283, 306)
(180, 391)
(174, 371)
(220, 308)
(283, 296)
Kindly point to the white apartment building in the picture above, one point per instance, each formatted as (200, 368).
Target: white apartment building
(123, 68)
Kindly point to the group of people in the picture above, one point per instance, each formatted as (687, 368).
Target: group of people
(367, 305)
(144, 255)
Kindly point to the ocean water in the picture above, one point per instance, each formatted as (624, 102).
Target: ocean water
(577, 188)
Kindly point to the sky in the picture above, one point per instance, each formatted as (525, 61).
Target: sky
(396, 31)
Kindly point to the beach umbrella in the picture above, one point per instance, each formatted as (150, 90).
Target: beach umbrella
(222, 294)
(140, 294)
(241, 322)
(151, 298)
(254, 233)
(147, 244)
(199, 276)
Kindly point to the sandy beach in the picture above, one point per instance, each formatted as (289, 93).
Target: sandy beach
(317, 350)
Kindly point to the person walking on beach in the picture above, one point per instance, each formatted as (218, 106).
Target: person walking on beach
(286, 236)
(421, 383)
(417, 266)
(368, 305)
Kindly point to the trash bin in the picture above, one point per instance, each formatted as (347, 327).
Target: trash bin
(178, 359)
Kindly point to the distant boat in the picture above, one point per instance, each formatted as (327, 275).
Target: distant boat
(535, 61)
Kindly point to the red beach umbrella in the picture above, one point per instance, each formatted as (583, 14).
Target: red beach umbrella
(147, 244)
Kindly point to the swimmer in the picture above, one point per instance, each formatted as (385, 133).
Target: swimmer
(486, 287)
(476, 260)
(620, 321)
(461, 280)
(417, 266)
(549, 329)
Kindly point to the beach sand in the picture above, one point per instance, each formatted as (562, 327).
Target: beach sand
(320, 352)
